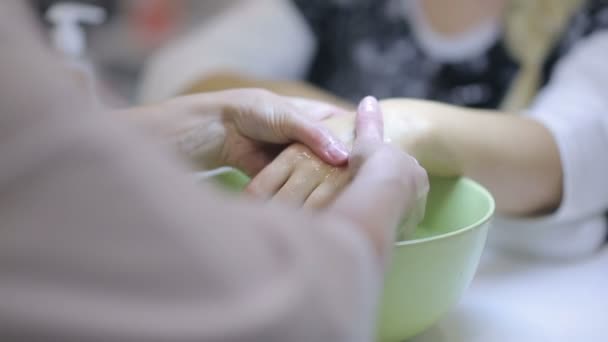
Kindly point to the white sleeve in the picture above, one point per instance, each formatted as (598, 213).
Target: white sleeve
(574, 107)
(259, 38)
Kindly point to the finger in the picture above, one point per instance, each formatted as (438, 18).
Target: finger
(301, 183)
(270, 180)
(413, 218)
(369, 124)
(418, 206)
(422, 191)
(317, 138)
(325, 194)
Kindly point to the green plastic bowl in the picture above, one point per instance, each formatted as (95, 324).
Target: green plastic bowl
(431, 271)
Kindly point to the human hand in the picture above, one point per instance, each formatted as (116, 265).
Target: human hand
(300, 178)
(261, 119)
(243, 128)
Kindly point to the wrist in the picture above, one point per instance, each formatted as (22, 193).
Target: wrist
(194, 125)
(423, 129)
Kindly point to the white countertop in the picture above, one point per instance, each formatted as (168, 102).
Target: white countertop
(517, 299)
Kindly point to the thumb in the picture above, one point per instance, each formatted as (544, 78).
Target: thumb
(369, 124)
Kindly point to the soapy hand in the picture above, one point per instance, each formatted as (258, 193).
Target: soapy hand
(242, 128)
(300, 178)
(258, 119)
(297, 176)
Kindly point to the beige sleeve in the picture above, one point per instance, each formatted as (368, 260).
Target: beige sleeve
(103, 238)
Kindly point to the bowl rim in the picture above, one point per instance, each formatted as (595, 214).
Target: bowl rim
(477, 224)
(478, 187)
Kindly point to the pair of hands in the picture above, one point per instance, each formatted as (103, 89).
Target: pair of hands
(317, 167)
(299, 177)
(312, 172)
(259, 124)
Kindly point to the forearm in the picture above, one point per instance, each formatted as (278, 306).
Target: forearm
(515, 157)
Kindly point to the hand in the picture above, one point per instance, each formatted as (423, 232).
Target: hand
(260, 119)
(243, 128)
(300, 178)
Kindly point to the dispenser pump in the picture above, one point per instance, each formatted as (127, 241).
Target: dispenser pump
(67, 34)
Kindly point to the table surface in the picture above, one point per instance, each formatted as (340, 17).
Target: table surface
(517, 299)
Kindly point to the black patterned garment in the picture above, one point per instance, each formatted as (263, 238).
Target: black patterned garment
(368, 47)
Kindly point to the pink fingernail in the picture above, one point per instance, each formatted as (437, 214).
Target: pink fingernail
(369, 104)
(337, 152)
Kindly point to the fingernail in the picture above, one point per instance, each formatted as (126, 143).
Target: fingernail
(369, 104)
(337, 152)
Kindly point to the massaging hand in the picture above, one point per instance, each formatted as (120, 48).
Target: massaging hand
(260, 118)
(244, 128)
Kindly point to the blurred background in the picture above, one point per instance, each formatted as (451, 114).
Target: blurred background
(132, 31)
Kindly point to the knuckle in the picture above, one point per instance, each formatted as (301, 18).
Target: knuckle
(310, 169)
(321, 197)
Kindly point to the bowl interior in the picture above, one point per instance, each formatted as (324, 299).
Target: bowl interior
(431, 270)
(453, 205)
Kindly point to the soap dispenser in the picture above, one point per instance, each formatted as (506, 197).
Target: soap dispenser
(68, 36)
